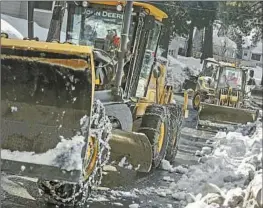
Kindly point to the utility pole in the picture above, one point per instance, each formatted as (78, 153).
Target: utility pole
(30, 19)
(124, 40)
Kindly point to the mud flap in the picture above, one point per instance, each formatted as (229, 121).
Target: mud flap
(44, 96)
(215, 115)
(131, 148)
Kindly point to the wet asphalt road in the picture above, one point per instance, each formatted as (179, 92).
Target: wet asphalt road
(18, 192)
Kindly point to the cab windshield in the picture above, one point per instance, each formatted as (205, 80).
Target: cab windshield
(230, 77)
(88, 25)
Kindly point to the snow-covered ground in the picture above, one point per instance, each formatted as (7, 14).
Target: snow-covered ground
(17, 28)
(230, 176)
(66, 155)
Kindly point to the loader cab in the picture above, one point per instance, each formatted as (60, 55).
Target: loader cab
(96, 25)
(99, 24)
(230, 77)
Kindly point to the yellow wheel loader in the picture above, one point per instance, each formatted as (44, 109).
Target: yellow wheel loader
(222, 99)
(101, 97)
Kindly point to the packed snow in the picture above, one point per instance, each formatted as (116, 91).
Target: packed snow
(66, 155)
(10, 30)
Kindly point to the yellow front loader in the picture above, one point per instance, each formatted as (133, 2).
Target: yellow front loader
(70, 108)
(220, 101)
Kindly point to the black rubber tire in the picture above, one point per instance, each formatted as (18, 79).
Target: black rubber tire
(193, 103)
(152, 120)
(176, 121)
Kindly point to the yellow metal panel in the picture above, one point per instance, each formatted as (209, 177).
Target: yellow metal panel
(157, 13)
(46, 46)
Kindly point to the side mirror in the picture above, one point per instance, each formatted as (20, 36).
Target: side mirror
(156, 72)
(251, 73)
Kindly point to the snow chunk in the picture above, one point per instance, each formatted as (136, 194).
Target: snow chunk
(126, 194)
(211, 198)
(23, 168)
(179, 196)
(124, 164)
(179, 169)
(234, 198)
(206, 150)
(117, 204)
(13, 109)
(165, 165)
(134, 206)
(168, 178)
(162, 194)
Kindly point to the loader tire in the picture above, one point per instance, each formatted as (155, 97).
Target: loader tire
(155, 126)
(176, 121)
(196, 101)
(69, 194)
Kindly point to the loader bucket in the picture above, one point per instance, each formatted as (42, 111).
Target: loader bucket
(220, 116)
(131, 150)
(44, 94)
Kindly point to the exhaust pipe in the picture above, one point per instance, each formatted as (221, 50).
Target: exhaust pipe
(124, 40)
(30, 19)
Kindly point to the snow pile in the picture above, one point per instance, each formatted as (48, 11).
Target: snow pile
(17, 28)
(224, 179)
(182, 68)
(229, 176)
(66, 155)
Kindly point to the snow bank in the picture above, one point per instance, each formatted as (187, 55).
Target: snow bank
(17, 28)
(10, 30)
(181, 68)
(230, 176)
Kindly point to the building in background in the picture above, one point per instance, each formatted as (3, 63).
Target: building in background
(254, 55)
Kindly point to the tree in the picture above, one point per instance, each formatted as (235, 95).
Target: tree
(202, 15)
(174, 25)
(240, 18)
(56, 21)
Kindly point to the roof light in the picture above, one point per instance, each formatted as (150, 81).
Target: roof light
(85, 4)
(119, 7)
